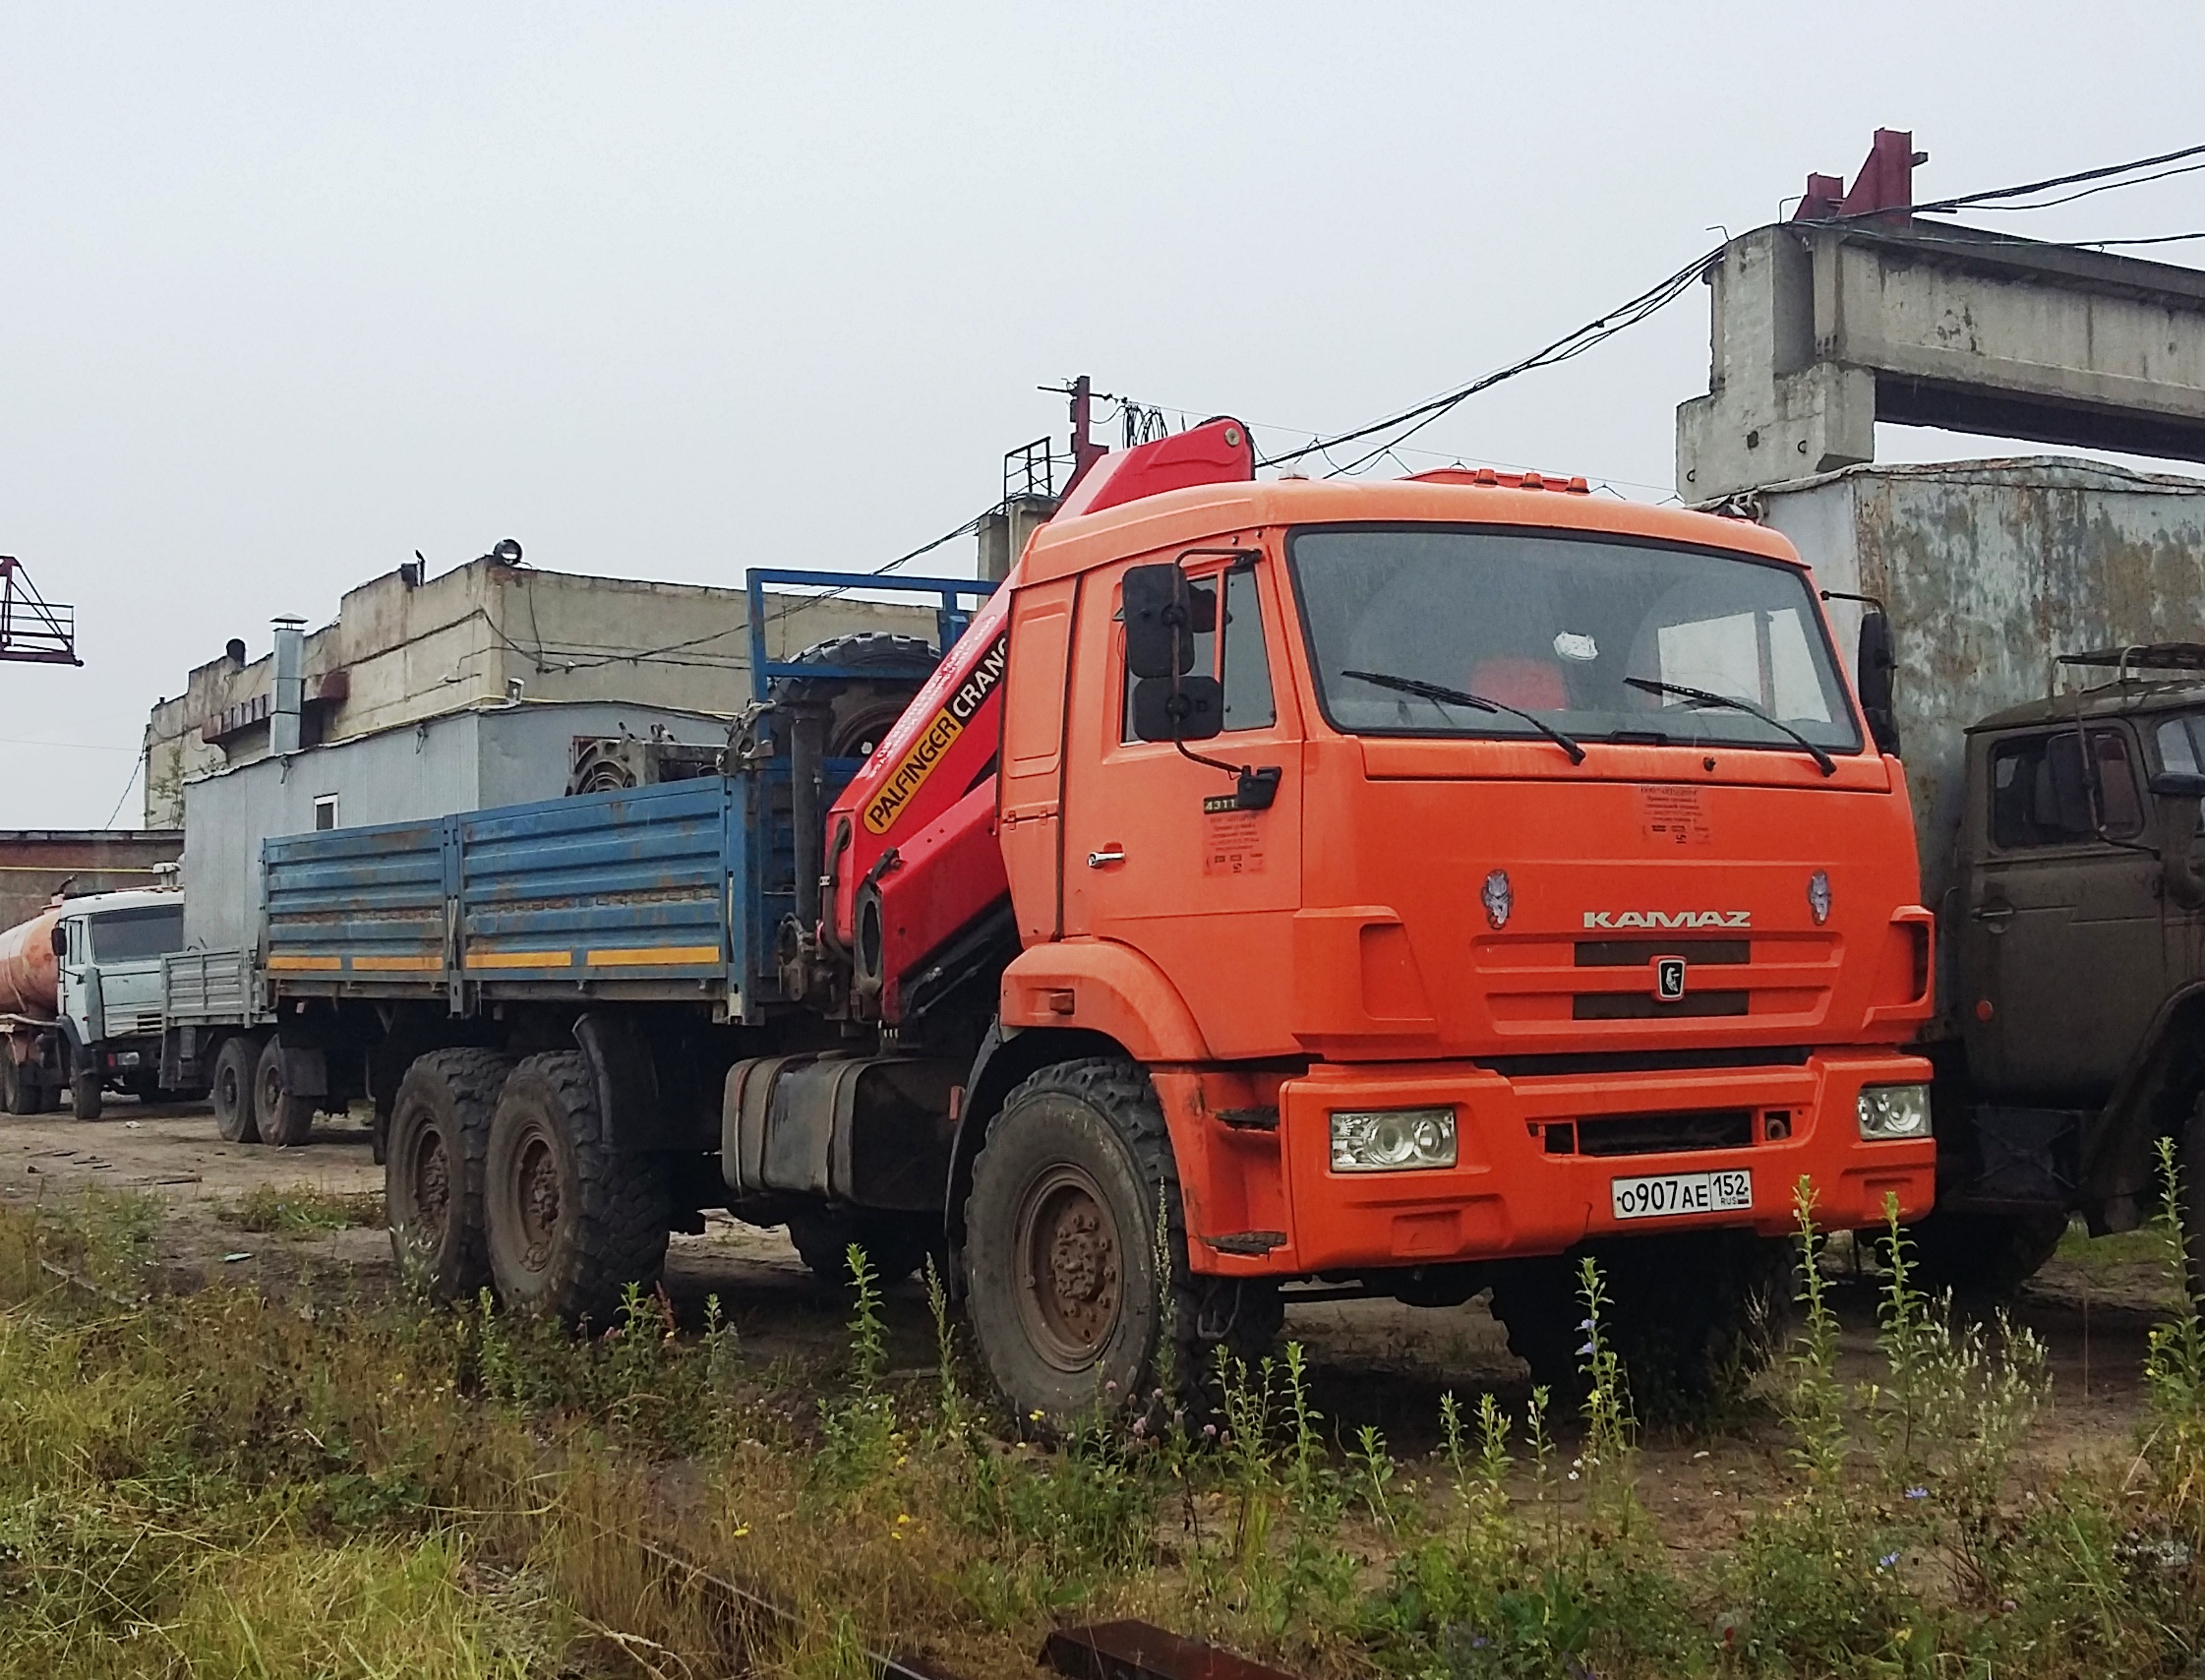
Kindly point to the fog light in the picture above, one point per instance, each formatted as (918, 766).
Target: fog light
(1391, 1140)
(1894, 1110)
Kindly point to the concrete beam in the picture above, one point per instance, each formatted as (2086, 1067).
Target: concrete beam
(1820, 329)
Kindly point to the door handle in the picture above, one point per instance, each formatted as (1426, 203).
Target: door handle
(1993, 912)
(1109, 855)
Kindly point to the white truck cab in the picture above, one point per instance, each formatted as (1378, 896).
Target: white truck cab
(108, 949)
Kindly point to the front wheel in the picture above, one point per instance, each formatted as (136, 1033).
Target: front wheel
(895, 1244)
(85, 1100)
(1983, 1257)
(572, 1223)
(2190, 1207)
(1064, 1267)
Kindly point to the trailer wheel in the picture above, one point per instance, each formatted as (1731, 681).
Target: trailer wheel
(432, 1168)
(1061, 1251)
(570, 1223)
(896, 1245)
(231, 1089)
(285, 1121)
(1689, 1315)
(18, 1085)
(1982, 1257)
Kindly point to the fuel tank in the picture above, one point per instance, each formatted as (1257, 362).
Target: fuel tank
(30, 975)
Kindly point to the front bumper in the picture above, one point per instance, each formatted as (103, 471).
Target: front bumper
(1537, 1158)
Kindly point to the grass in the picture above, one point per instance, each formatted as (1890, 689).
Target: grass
(217, 1483)
(301, 1210)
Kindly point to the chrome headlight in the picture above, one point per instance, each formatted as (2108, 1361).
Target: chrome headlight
(1894, 1110)
(1391, 1140)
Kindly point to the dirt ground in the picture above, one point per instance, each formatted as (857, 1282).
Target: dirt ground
(1372, 1363)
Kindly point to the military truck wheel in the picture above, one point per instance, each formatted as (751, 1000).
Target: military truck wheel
(1061, 1251)
(85, 1100)
(231, 1089)
(1983, 1257)
(1689, 1316)
(432, 1168)
(896, 1245)
(285, 1121)
(570, 1223)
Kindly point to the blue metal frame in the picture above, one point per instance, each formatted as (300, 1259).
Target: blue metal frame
(950, 617)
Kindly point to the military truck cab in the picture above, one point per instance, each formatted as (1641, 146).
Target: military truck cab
(2076, 981)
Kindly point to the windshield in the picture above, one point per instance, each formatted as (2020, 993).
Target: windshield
(1558, 625)
(129, 935)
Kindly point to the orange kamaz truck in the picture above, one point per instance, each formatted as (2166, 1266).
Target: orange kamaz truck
(1274, 888)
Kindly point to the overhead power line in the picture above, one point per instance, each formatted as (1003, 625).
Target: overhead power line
(2106, 172)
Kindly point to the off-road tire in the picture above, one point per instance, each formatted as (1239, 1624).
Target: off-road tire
(896, 1244)
(85, 1100)
(570, 1223)
(432, 1168)
(860, 712)
(285, 1121)
(230, 1090)
(1689, 1315)
(1982, 1257)
(1087, 1139)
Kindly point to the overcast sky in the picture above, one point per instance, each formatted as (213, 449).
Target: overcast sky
(288, 292)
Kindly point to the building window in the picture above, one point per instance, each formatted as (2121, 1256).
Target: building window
(325, 812)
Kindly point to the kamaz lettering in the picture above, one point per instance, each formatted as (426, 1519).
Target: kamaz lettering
(1669, 919)
(935, 740)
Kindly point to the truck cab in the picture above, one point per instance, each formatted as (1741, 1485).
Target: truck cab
(2078, 984)
(108, 949)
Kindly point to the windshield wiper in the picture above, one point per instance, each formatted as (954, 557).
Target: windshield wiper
(1731, 702)
(1464, 697)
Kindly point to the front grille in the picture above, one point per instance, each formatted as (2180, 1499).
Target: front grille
(1665, 1134)
(1644, 1006)
(1572, 1062)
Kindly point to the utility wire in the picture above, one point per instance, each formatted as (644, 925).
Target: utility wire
(2026, 188)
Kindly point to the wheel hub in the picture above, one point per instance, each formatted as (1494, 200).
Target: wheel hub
(539, 1200)
(432, 1182)
(1071, 1267)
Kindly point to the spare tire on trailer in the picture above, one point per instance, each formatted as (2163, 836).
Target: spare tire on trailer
(859, 709)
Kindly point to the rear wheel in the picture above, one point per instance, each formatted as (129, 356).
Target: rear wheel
(1983, 1257)
(285, 1121)
(432, 1168)
(570, 1223)
(231, 1089)
(18, 1085)
(1061, 1251)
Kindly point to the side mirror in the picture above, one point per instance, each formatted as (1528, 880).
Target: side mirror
(1163, 612)
(1874, 679)
(60, 940)
(2178, 784)
(1192, 709)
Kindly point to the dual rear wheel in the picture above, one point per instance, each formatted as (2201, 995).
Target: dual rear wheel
(498, 1174)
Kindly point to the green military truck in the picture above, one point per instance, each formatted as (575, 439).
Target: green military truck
(2048, 700)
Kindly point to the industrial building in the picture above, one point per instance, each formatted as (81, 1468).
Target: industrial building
(492, 632)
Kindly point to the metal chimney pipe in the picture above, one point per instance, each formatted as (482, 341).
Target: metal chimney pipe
(289, 698)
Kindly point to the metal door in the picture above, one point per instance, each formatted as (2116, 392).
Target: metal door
(2061, 959)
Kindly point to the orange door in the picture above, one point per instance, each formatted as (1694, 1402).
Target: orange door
(1151, 860)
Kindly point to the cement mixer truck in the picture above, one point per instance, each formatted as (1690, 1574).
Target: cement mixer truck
(81, 988)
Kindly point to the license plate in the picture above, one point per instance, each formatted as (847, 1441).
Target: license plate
(1670, 1194)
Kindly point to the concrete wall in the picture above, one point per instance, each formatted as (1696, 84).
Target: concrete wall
(36, 864)
(460, 640)
(1990, 568)
(464, 761)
